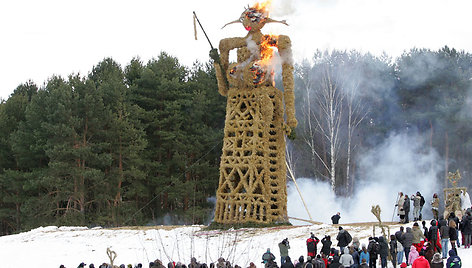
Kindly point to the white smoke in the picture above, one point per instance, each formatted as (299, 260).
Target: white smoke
(404, 162)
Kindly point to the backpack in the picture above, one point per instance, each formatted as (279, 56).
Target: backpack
(348, 238)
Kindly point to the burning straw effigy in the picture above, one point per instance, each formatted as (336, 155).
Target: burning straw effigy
(252, 184)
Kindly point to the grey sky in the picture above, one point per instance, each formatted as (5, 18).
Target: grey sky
(42, 38)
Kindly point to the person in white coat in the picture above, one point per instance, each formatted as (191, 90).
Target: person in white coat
(346, 259)
(465, 201)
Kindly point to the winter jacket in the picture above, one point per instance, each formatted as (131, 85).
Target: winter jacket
(435, 203)
(398, 235)
(344, 238)
(364, 255)
(417, 234)
(383, 247)
(393, 247)
(453, 261)
(413, 255)
(319, 263)
(335, 219)
(452, 234)
(437, 261)
(420, 262)
(467, 225)
(301, 262)
(433, 231)
(346, 259)
(326, 245)
(288, 263)
(442, 222)
(311, 245)
(267, 256)
(400, 204)
(355, 256)
(416, 200)
(444, 231)
(335, 263)
(406, 205)
(373, 249)
(429, 252)
(284, 246)
(407, 238)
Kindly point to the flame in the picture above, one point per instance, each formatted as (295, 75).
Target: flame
(267, 47)
(264, 66)
(263, 7)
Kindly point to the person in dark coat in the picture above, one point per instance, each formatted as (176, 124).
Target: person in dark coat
(311, 244)
(452, 235)
(466, 224)
(373, 249)
(453, 261)
(407, 241)
(344, 238)
(429, 252)
(383, 251)
(433, 235)
(393, 249)
(326, 241)
(335, 218)
(335, 263)
(288, 263)
(425, 229)
(355, 257)
(301, 262)
(406, 208)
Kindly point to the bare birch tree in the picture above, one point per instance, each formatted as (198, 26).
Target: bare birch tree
(356, 114)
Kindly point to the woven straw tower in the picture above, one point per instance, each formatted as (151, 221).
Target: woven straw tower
(252, 184)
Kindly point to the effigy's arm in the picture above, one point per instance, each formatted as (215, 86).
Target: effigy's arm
(221, 68)
(285, 51)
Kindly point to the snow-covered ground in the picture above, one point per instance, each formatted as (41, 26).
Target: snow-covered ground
(52, 246)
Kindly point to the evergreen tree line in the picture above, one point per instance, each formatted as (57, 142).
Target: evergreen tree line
(117, 147)
(139, 144)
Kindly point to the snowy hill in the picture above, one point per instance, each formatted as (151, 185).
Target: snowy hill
(52, 246)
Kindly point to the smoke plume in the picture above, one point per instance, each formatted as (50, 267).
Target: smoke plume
(404, 162)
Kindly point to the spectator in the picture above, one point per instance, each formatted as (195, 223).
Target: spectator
(435, 206)
(453, 261)
(284, 247)
(437, 261)
(311, 244)
(364, 254)
(268, 256)
(344, 238)
(346, 259)
(413, 255)
(335, 218)
(383, 251)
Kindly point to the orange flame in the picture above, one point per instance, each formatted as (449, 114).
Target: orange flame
(268, 47)
(263, 68)
(263, 7)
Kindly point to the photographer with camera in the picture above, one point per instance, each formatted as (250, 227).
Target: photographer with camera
(283, 246)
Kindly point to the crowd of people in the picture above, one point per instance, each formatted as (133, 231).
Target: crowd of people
(418, 247)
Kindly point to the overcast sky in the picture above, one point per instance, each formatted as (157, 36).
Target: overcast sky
(46, 37)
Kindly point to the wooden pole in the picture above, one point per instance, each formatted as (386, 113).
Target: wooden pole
(298, 189)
